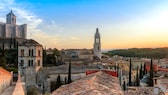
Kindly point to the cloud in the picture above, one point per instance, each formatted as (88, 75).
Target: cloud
(52, 27)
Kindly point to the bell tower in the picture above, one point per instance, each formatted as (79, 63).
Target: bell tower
(97, 44)
(11, 18)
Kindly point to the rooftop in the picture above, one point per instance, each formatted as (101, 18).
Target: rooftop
(30, 42)
(98, 83)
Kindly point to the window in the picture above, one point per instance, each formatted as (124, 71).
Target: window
(39, 53)
(38, 62)
(29, 52)
(22, 52)
(97, 40)
(32, 52)
(155, 81)
(29, 63)
(21, 62)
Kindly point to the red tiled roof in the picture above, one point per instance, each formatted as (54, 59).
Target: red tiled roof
(98, 83)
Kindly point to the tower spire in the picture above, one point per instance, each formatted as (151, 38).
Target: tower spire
(11, 18)
(97, 44)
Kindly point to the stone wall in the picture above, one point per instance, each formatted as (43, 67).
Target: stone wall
(30, 77)
(13, 31)
(5, 79)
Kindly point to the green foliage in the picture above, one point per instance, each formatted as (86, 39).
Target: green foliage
(124, 86)
(65, 79)
(141, 52)
(151, 74)
(137, 78)
(141, 73)
(59, 83)
(144, 70)
(130, 70)
(3, 62)
(56, 52)
(33, 91)
(50, 59)
(11, 57)
(14, 69)
(69, 73)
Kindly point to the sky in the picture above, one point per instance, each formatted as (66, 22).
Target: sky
(66, 24)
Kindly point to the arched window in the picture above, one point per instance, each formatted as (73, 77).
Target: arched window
(38, 62)
(29, 52)
(21, 62)
(32, 52)
(29, 63)
(39, 53)
(22, 52)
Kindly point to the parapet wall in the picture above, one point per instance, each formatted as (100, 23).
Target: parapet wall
(5, 79)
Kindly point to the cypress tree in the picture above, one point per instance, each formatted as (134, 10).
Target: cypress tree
(69, 73)
(58, 81)
(17, 44)
(10, 43)
(144, 70)
(65, 79)
(140, 73)
(151, 74)
(130, 73)
(137, 78)
(117, 70)
(14, 42)
(124, 86)
(3, 48)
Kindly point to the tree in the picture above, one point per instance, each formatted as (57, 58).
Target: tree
(137, 78)
(11, 57)
(69, 73)
(117, 70)
(144, 70)
(3, 62)
(65, 79)
(56, 52)
(59, 83)
(33, 91)
(151, 74)
(124, 86)
(130, 73)
(3, 48)
(140, 73)
(14, 43)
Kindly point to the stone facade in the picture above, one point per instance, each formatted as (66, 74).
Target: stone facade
(97, 44)
(10, 30)
(79, 55)
(30, 54)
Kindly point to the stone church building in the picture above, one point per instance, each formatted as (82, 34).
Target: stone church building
(11, 34)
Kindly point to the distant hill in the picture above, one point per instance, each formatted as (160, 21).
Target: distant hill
(140, 52)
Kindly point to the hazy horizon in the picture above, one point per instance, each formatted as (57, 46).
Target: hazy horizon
(66, 24)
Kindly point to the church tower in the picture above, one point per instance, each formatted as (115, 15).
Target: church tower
(97, 44)
(11, 18)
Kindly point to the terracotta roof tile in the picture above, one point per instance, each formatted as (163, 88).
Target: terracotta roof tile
(98, 83)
